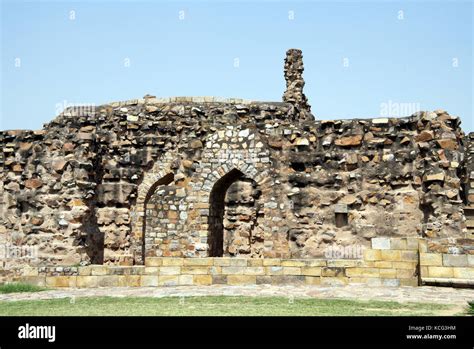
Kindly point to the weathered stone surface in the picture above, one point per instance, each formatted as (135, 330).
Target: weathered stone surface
(191, 177)
(33, 183)
(425, 136)
(349, 141)
(450, 144)
(381, 243)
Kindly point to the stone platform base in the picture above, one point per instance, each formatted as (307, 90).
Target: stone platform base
(390, 262)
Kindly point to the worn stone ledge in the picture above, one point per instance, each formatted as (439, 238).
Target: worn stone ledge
(447, 281)
(169, 271)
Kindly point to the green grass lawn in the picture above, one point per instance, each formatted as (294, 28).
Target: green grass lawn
(219, 306)
(19, 287)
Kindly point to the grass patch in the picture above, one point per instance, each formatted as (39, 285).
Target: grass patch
(19, 287)
(216, 306)
(470, 310)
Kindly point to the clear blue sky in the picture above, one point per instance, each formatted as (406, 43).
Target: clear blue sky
(424, 59)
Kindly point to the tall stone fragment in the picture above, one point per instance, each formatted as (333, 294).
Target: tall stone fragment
(295, 83)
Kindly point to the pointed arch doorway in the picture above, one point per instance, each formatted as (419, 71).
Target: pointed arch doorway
(233, 217)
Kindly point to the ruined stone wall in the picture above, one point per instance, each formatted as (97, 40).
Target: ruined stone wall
(207, 177)
(79, 188)
(469, 184)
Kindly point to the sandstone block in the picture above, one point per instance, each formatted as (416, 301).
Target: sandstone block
(221, 262)
(409, 282)
(381, 243)
(391, 255)
(398, 244)
(362, 272)
(202, 280)
(409, 256)
(152, 270)
(241, 279)
(255, 262)
(264, 280)
(272, 262)
(412, 243)
(435, 259)
(388, 273)
(311, 271)
(153, 261)
(61, 281)
(312, 280)
(219, 279)
(292, 263)
(130, 280)
(198, 261)
(291, 271)
(34, 280)
(440, 272)
(148, 280)
(391, 282)
(470, 260)
(405, 273)
(274, 270)
(186, 280)
(374, 282)
(452, 260)
(168, 280)
(170, 271)
(108, 281)
(288, 279)
(334, 281)
(254, 271)
(87, 281)
(98, 270)
(464, 273)
(316, 263)
(238, 262)
(233, 270)
(404, 265)
(382, 264)
(372, 255)
(214, 270)
(172, 262)
(196, 270)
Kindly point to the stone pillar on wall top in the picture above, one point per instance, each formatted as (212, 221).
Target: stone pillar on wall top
(295, 83)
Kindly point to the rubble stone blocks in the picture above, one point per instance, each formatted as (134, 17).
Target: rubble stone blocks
(177, 190)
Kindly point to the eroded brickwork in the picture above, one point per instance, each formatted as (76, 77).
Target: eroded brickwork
(206, 177)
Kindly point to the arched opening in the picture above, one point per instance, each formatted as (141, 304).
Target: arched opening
(150, 238)
(216, 212)
(233, 214)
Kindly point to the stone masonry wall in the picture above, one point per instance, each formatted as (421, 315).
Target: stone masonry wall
(153, 177)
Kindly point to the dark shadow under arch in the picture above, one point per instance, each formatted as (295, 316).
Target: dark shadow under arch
(216, 212)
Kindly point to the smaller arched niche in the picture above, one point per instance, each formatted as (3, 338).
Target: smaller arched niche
(156, 215)
(233, 217)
